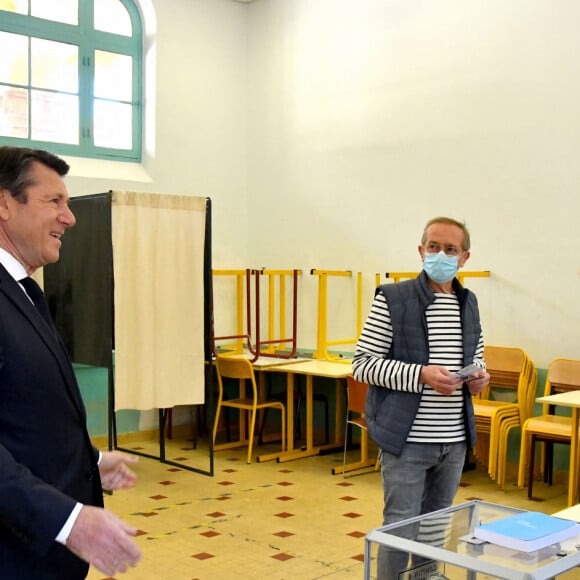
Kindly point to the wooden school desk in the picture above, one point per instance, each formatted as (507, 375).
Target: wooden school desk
(309, 368)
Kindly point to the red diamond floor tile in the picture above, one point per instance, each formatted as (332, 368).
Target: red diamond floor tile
(203, 556)
(282, 557)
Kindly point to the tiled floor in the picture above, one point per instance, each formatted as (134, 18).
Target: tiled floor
(267, 520)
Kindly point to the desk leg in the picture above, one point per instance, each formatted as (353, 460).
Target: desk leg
(289, 424)
(574, 460)
(242, 414)
(309, 450)
(309, 413)
(290, 412)
(339, 420)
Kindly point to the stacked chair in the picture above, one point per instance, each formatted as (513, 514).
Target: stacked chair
(504, 405)
(550, 427)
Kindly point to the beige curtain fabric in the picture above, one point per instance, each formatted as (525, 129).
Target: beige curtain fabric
(158, 253)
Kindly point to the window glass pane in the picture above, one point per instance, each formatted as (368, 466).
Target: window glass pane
(66, 11)
(113, 122)
(13, 112)
(54, 65)
(49, 89)
(113, 76)
(112, 16)
(14, 59)
(55, 117)
(18, 6)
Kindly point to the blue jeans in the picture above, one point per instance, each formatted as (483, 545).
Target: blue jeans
(424, 478)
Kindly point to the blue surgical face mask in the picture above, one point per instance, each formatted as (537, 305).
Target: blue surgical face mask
(440, 267)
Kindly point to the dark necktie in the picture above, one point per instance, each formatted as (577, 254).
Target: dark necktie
(37, 296)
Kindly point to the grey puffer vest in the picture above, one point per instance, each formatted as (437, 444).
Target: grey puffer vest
(389, 413)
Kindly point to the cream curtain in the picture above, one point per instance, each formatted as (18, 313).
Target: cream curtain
(158, 250)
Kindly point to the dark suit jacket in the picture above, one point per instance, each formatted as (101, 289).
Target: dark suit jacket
(47, 461)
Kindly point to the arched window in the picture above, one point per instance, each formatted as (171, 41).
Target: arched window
(70, 76)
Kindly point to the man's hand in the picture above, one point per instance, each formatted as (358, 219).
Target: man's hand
(114, 471)
(445, 383)
(103, 540)
(477, 382)
(440, 379)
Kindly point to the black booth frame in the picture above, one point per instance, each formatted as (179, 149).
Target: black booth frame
(83, 307)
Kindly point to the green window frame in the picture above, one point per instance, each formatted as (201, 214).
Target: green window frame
(109, 124)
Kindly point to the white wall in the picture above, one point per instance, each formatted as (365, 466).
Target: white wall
(327, 132)
(368, 118)
(196, 60)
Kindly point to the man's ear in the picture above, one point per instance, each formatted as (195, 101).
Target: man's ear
(464, 259)
(4, 201)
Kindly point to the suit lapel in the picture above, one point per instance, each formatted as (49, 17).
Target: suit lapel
(12, 290)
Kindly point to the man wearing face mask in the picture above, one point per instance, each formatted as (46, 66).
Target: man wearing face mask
(417, 335)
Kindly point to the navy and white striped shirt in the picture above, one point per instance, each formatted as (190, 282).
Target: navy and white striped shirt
(440, 417)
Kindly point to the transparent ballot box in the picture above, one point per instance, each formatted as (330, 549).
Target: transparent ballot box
(440, 545)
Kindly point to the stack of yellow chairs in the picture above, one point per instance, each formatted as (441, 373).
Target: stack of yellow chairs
(505, 404)
(550, 427)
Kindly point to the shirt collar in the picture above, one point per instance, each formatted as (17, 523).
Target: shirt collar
(12, 265)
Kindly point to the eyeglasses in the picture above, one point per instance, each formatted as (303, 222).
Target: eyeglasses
(435, 248)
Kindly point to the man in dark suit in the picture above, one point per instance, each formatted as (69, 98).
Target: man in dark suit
(52, 520)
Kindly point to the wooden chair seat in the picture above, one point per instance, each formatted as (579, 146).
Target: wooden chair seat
(551, 425)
